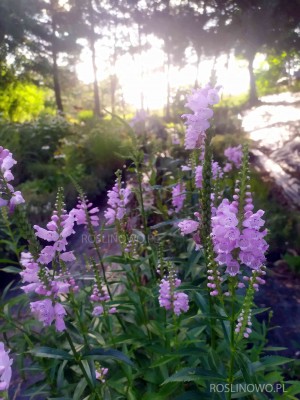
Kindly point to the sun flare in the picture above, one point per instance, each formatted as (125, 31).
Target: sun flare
(145, 76)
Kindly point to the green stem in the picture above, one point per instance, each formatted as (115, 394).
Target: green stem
(81, 325)
(110, 331)
(232, 338)
(92, 234)
(205, 229)
(141, 201)
(145, 314)
(79, 362)
(176, 329)
(212, 321)
(10, 233)
(144, 217)
(12, 322)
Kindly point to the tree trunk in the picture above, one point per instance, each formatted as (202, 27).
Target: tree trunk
(97, 112)
(196, 84)
(113, 85)
(55, 72)
(142, 96)
(113, 76)
(253, 99)
(168, 108)
(213, 74)
(56, 83)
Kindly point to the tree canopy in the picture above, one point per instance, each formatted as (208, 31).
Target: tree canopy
(41, 40)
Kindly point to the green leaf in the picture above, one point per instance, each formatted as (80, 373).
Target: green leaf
(48, 352)
(274, 360)
(201, 302)
(265, 362)
(260, 310)
(192, 261)
(11, 270)
(192, 351)
(36, 389)
(246, 368)
(293, 389)
(119, 260)
(60, 398)
(271, 348)
(153, 396)
(61, 374)
(5, 291)
(90, 371)
(101, 353)
(194, 375)
(7, 261)
(168, 389)
(192, 395)
(163, 360)
(166, 223)
(226, 330)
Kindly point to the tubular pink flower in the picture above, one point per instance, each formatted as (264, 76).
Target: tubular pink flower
(8, 196)
(228, 237)
(178, 196)
(59, 229)
(198, 177)
(43, 310)
(67, 256)
(216, 173)
(49, 236)
(39, 278)
(5, 368)
(59, 312)
(16, 199)
(47, 313)
(169, 298)
(98, 310)
(165, 294)
(118, 199)
(101, 295)
(30, 273)
(100, 374)
(82, 208)
(188, 226)
(197, 123)
(225, 235)
(180, 303)
(234, 155)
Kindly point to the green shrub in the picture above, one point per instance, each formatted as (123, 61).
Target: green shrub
(51, 149)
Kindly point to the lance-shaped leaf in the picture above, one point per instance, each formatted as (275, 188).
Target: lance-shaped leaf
(48, 352)
(104, 354)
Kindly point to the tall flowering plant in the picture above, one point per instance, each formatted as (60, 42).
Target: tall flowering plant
(170, 313)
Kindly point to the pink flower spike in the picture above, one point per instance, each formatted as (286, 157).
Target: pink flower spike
(188, 226)
(178, 196)
(49, 236)
(44, 311)
(67, 256)
(60, 312)
(98, 311)
(5, 368)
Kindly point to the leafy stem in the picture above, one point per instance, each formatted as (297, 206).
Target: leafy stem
(232, 336)
(78, 360)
